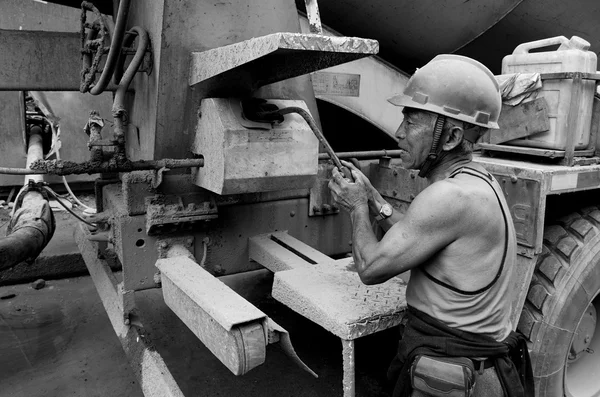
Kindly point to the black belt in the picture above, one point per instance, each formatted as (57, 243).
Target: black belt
(481, 365)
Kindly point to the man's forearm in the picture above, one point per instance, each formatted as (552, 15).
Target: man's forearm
(363, 238)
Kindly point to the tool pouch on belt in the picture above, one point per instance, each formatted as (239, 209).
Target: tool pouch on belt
(443, 376)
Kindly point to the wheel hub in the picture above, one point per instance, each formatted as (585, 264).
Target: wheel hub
(581, 374)
(584, 334)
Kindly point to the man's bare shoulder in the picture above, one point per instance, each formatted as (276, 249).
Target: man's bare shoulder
(443, 202)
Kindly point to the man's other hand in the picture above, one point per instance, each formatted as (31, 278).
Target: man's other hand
(349, 195)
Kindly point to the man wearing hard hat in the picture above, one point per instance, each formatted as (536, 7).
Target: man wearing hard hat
(456, 238)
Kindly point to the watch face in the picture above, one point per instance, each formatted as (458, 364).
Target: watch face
(386, 210)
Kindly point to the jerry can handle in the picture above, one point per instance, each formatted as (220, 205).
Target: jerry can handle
(526, 47)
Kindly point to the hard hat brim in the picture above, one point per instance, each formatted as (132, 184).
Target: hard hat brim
(406, 101)
(400, 100)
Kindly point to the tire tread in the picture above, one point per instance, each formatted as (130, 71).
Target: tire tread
(563, 241)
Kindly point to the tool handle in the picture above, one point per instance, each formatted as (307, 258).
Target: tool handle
(347, 173)
(315, 129)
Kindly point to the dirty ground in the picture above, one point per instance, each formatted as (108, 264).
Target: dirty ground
(57, 341)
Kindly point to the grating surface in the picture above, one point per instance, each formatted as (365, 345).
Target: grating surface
(333, 296)
(268, 59)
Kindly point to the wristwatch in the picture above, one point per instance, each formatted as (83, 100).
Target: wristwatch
(384, 212)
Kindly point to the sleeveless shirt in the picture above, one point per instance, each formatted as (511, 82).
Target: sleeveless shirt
(485, 311)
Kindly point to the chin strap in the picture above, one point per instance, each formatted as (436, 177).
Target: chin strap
(434, 152)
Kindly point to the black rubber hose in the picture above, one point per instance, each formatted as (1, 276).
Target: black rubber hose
(31, 229)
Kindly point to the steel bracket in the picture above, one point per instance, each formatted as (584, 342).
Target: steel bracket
(167, 214)
(163, 245)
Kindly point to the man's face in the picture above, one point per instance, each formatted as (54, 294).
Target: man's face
(415, 136)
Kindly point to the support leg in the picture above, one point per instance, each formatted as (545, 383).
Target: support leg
(348, 356)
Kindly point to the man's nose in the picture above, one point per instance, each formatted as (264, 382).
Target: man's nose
(400, 134)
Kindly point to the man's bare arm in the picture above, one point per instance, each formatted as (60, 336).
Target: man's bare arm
(429, 225)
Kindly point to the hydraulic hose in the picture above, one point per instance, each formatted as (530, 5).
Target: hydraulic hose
(115, 48)
(32, 224)
(31, 229)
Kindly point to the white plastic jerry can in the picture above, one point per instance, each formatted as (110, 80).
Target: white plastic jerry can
(571, 56)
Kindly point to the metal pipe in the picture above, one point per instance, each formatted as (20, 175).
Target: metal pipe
(32, 224)
(35, 152)
(373, 154)
(63, 167)
(32, 228)
(118, 108)
(134, 65)
(115, 49)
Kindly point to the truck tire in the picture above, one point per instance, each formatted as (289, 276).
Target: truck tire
(559, 315)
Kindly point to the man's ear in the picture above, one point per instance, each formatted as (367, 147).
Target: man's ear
(452, 138)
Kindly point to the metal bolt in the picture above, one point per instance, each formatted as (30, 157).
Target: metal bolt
(164, 244)
(335, 208)
(316, 210)
(412, 175)
(326, 208)
(411, 197)
(514, 179)
(127, 321)
(293, 214)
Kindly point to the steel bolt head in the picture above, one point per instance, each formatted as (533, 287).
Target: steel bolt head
(316, 209)
(293, 214)
(326, 208)
(163, 244)
(514, 179)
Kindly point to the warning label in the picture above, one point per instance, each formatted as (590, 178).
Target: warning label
(340, 84)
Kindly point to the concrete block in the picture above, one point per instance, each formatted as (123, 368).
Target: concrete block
(249, 160)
